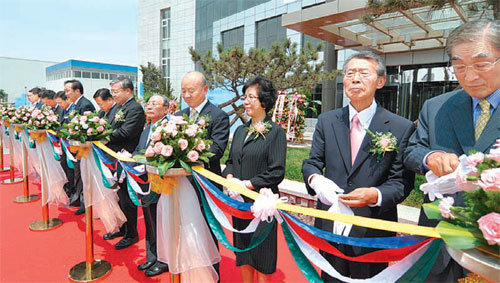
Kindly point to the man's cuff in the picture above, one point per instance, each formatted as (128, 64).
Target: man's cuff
(310, 178)
(379, 199)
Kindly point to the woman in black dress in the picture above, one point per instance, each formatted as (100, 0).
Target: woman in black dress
(257, 158)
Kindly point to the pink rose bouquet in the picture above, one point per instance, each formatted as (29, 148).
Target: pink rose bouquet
(42, 119)
(86, 127)
(21, 115)
(177, 143)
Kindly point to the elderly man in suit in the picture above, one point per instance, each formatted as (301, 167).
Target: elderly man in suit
(194, 91)
(80, 104)
(156, 112)
(126, 133)
(373, 186)
(457, 122)
(48, 99)
(104, 100)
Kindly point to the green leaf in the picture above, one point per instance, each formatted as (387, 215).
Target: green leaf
(432, 210)
(458, 237)
(204, 158)
(171, 164)
(162, 169)
(185, 166)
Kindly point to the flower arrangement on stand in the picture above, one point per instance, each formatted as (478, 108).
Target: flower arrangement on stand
(177, 143)
(289, 112)
(478, 223)
(42, 119)
(86, 127)
(7, 112)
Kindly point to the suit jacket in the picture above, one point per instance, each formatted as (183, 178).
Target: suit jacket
(262, 161)
(59, 113)
(84, 105)
(38, 104)
(445, 123)
(127, 132)
(110, 115)
(217, 132)
(331, 152)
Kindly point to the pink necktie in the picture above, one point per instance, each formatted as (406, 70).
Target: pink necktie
(356, 138)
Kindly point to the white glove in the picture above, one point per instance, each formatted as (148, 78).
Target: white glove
(232, 194)
(341, 228)
(326, 190)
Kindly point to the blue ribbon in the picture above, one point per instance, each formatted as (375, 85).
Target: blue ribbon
(64, 145)
(245, 206)
(53, 139)
(380, 243)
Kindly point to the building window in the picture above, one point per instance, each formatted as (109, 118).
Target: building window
(165, 43)
(233, 37)
(269, 31)
(77, 74)
(95, 75)
(86, 75)
(113, 76)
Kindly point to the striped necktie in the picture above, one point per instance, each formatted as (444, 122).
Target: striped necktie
(483, 118)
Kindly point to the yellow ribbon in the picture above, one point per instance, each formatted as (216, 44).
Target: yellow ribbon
(39, 137)
(82, 150)
(355, 220)
(163, 185)
(112, 153)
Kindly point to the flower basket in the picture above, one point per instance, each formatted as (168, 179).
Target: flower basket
(81, 149)
(165, 184)
(484, 263)
(38, 135)
(18, 127)
(6, 122)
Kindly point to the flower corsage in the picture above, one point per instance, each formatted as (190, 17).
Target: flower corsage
(119, 116)
(260, 129)
(382, 143)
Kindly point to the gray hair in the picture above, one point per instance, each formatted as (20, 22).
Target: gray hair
(124, 83)
(367, 55)
(203, 79)
(164, 99)
(474, 30)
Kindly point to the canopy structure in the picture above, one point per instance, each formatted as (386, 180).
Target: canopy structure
(418, 28)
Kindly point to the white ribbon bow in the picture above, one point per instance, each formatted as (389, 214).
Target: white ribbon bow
(264, 206)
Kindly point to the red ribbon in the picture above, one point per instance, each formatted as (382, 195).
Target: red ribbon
(229, 209)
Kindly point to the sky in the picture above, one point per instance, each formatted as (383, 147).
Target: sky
(59, 30)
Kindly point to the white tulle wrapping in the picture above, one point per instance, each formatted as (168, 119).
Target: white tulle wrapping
(183, 237)
(54, 176)
(5, 139)
(104, 200)
(17, 149)
(33, 163)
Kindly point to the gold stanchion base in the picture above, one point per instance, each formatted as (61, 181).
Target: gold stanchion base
(4, 169)
(100, 269)
(23, 199)
(8, 181)
(40, 225)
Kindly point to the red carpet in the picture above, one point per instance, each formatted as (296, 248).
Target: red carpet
(27, 256)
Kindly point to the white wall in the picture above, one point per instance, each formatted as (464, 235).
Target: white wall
(90, 86)
(18, 76)
(182, 36)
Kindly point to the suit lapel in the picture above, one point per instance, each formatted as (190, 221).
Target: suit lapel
(340, 127)
(461, 119)
(490, 133)
(379, 123)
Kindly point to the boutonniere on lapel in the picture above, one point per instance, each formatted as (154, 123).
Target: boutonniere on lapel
(119, 116)
(260, 129)
(382, 143)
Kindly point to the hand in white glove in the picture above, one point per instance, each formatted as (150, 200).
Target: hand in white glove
(326, 190)
(233, 194)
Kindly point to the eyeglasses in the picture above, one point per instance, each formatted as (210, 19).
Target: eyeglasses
(154, 105)
(478, 67)
(250, 98)
(363, 73)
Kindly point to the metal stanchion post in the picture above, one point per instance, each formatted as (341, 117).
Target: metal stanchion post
(11, 180)
(47, 223)
(91, 269)
(26, 197)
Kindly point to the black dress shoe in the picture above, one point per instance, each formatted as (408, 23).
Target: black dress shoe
(112, 235)
(126, 242)
(145, 265)
(157, 269)
(81, 210)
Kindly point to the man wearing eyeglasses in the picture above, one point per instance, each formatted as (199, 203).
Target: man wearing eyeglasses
(457, 122)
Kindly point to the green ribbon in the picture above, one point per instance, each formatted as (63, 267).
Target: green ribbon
(300, 259)
(68, 161)
(132, 194)
(419, 271)
(6, 130)
(98, 162)
(257, 238)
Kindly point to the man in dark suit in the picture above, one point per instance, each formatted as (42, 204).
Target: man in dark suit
(156, 111)
(194, 91)
(373, 187)
(48, 98)
(126, 133)
(457, 122)
(105, 101)
(34, 97)
(63, 103)
(74, 92)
